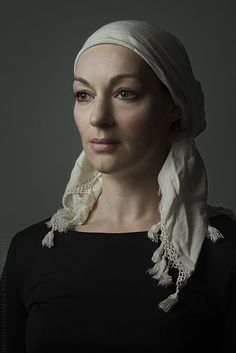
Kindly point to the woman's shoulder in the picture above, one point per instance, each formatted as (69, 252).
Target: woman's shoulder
(226, 224)
(24, 244)
(222, 251)
(28, 234)
(216, 265)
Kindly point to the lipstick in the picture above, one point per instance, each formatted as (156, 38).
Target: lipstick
(103, 145)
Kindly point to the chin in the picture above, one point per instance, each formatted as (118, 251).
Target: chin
(103, 164)
(105, 168)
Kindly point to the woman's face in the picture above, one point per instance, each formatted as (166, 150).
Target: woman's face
(120, 99)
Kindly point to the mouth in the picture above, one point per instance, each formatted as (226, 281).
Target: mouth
(104, 145)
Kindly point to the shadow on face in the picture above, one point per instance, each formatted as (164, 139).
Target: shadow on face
(125, 100)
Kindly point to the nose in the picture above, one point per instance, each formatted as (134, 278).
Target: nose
(101, 115)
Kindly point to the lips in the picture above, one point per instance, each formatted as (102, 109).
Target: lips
(104, 144)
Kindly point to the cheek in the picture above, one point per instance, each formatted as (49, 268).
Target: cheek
(75, 113)
(80, 123)
(146, 124)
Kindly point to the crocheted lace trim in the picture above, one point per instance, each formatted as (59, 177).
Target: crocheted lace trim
(164, 257)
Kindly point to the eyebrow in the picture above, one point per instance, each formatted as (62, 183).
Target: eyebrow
(112, 80)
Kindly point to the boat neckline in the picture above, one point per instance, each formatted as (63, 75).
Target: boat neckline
(107, 233)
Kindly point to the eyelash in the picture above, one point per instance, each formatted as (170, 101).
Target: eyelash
(76, 95)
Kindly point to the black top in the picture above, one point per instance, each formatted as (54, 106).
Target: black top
(91, 293)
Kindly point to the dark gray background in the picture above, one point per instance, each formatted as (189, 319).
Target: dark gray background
(39, 139)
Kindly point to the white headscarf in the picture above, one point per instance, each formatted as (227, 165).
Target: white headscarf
(182, 179)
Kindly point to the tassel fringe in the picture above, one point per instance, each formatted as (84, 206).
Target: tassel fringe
(214, 234)
(153, 232)
(164, 257)
(158, 269)
(167, 303)
(158, 253)
(165, 279)
(48, 239)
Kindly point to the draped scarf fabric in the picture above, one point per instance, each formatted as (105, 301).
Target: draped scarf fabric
(182, 180)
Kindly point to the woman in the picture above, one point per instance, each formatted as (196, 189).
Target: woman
(142, 263)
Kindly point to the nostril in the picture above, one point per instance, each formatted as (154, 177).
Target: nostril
(100, 115)
(101, 121)
(103, 124)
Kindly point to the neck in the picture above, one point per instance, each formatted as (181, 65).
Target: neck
(127, 201)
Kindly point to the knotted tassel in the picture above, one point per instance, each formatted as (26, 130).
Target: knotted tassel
(158, 269)
(167, 303)
(214, 234)
(48, 239)
(165, 279)
(153, 232)
(158, 253)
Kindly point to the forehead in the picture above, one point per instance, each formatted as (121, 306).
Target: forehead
(111, 56)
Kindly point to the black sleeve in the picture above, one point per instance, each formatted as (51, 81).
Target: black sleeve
(229, 317)
(12, 311)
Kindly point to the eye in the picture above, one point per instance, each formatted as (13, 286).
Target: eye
(126, 94)
(81, 96)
